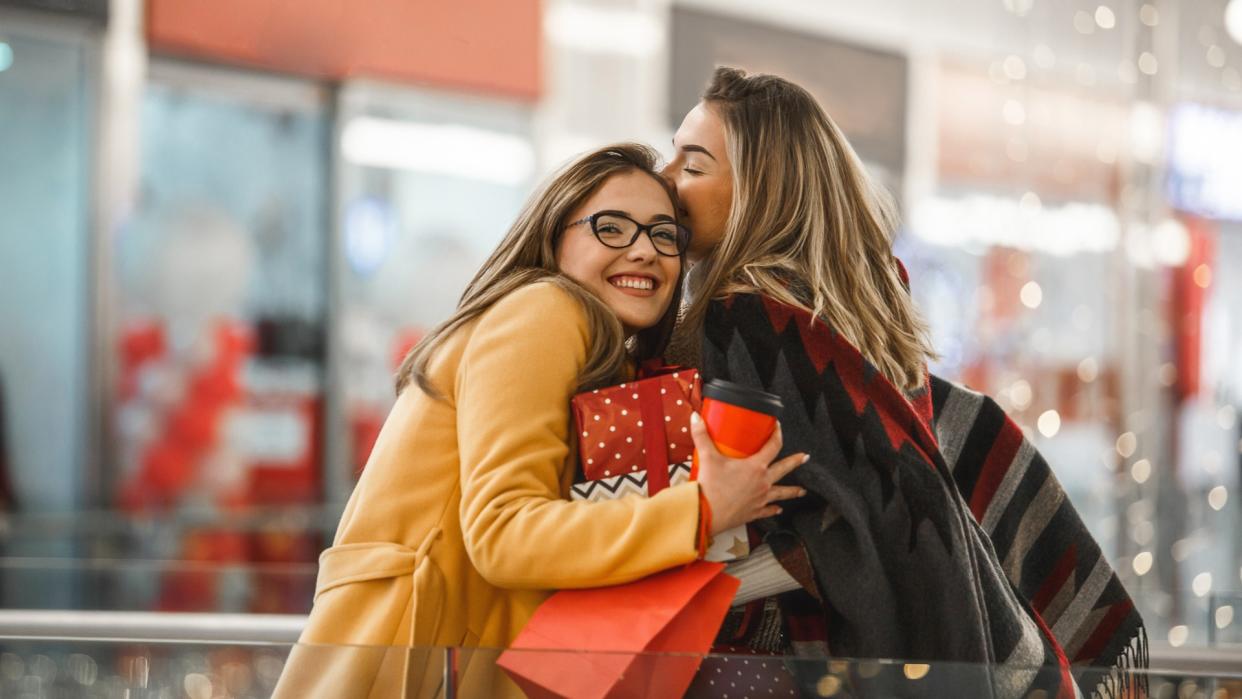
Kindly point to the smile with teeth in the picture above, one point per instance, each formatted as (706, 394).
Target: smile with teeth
(630, 282)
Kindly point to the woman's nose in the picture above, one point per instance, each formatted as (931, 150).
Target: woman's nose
(667, 173)
(642, 249)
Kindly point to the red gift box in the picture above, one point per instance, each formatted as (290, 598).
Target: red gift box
(639, 425)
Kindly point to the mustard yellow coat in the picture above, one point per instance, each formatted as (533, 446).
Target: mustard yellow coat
(459, 526)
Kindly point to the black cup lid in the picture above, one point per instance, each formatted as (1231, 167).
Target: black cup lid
(744, 397)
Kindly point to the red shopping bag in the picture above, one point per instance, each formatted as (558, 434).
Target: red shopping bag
(641, 639)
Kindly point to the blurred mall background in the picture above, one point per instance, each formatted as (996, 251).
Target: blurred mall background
(223, 222)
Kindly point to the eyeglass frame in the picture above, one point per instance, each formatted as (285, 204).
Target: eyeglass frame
(641, 228)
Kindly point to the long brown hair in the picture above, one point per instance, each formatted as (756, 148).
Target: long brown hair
(807, 225)
(528, 255)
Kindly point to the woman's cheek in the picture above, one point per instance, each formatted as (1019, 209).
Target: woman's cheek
(671, 273)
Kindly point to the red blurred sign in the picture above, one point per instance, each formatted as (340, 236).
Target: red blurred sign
(477, 45)
(1190, 284)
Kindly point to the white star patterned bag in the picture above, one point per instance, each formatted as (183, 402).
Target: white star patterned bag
(726, 546)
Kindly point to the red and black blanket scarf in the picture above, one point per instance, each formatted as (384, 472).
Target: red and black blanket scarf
(932, 528)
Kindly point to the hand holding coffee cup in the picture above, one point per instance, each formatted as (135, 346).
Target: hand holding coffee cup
(736, 439)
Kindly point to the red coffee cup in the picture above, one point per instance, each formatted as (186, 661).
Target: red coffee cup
(739, 419)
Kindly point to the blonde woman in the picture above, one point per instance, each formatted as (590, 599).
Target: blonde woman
(933, 530)
(459, 526)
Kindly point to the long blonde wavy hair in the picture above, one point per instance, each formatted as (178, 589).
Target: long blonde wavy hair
(528, 255)
(807, 226)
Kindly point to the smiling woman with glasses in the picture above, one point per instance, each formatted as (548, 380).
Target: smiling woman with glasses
(616, 229)
(459, 526)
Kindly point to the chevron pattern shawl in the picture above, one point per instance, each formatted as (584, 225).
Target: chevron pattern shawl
(934, 529)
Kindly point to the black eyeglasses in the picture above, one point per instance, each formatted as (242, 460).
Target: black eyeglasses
(616, 230)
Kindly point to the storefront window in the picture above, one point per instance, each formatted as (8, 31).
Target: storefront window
(222, 280)
(428, 185)
(222, 294)
(46, 113)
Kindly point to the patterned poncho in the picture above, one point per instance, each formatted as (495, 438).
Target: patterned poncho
(933, 528)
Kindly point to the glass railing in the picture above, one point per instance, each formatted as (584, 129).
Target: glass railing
(115, 533)
(264, 560)
(138, 669)
(156, 585)
(1224, 619)
(240, 586)
(141, 668)
(230, 625)
(1213, 619)
(251, 561)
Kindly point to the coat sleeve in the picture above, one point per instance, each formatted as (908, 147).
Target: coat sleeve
(512, 396)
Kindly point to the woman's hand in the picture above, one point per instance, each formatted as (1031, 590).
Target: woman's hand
(743, 490)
